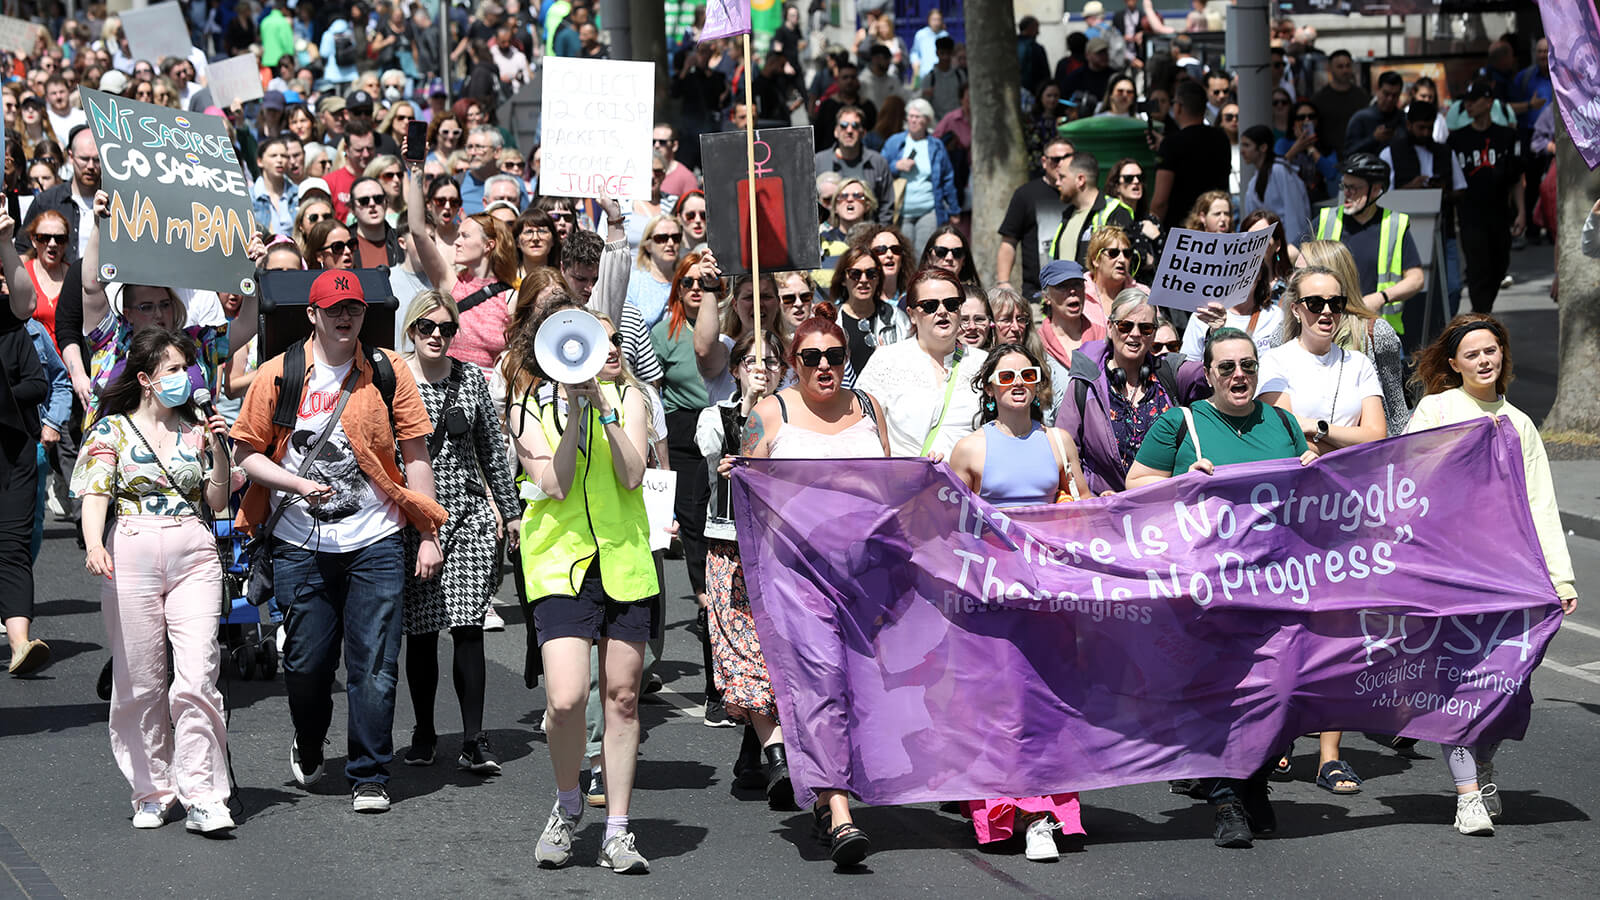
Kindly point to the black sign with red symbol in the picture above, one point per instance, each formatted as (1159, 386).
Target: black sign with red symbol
(786, 199)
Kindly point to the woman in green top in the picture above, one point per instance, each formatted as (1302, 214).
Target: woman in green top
(586, 556)
(1231, 427)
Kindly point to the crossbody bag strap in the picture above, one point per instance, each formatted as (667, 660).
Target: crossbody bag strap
(949, 390)
(1194, 435)
(436, 440)
(481, 294)
(311, 454)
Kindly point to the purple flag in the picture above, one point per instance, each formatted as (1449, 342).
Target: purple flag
(725, 18)
(1573, 27)
(926, 646)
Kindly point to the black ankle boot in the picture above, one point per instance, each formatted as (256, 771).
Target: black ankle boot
(748, 772)
(780, 792)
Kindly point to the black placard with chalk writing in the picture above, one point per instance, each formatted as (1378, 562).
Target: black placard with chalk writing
(786, 199)
(180, 202)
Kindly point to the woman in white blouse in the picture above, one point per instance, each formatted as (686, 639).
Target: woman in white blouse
(925, 384)
(1318, 374)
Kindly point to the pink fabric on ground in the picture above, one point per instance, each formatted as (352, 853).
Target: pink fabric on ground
(169, 744)
(996, 820)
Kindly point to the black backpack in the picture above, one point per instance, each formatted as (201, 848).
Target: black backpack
(292, 383)
(344, 49)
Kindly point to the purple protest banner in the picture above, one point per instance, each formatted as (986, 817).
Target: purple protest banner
(925, 646)
(725, 18)
(1573, 27)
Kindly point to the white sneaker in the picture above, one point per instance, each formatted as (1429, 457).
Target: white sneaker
(554, 849)
(1040, 839)
(149, 814)
(209, 818)
(1471, 817)
(492, 620)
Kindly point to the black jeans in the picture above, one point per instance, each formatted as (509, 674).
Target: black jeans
(1486, 254)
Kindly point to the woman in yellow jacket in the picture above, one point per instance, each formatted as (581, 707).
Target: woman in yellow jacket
(586, 557)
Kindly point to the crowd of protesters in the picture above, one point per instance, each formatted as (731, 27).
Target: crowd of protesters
(392, 484)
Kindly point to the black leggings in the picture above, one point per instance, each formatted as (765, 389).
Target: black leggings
(694, 492)
(422, 675)
(19, 480)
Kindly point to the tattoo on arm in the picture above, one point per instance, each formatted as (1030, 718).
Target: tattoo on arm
(753, 433)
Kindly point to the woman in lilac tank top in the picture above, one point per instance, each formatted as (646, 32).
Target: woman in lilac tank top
(1013, 459)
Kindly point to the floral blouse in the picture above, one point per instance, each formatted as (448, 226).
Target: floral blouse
(115, 462)
(1131, 423)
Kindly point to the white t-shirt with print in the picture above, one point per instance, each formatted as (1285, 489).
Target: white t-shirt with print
(1309, 381)
(358, 514)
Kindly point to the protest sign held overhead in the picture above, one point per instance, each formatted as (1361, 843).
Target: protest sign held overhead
(156, 32)
(180, 203)
(1199, 268)
(233, 79)
(18, 36)
(595, 123)
(786, 199)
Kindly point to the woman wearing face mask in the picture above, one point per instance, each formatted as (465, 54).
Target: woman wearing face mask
(466, 450)
(1317, 375)
(740, 669)
(660, 246)
(949, 250)
(152, 463)
(853, 203)
(925, 383)
(1231, 427)
(1014, 459)
(1464, 373)
(869, 322)
(1275, 187)
(478, 276)
(1117, 389)
(818, 418)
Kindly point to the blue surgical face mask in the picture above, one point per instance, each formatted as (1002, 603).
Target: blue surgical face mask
(173, 390)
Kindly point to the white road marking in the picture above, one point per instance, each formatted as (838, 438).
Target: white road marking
(1590, 630)
(1573, 671)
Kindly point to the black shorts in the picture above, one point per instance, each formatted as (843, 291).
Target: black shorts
(592, 615)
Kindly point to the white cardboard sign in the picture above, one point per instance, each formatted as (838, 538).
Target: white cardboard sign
(156, 32)
(660, 492)
(596, 120)
(1199, 268)
(18, 37)
(234, 79)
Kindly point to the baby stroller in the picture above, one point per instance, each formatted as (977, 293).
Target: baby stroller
(249, 633)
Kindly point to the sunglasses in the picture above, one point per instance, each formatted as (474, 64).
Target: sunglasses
(369, 200)
(848, 126)
(949, 252)
(813, 357)
(339, 246)
(696, 216)
(931, 305)
(1306, 117)
(426, 328)
(861, 274)
(46, 238)
(1247, 366)
(1319, 305)
(1117, 253)
(662, 240)
(1058, 160)
(1232, 117)
(616, 339)
(1145, 328)
(1028, 375)
(850, 196)
(801, 299)
(881, 249)
(771, 363)
(704, 282)
(446, 201)
(659, 142)
(1169, 346)
(557, 215)
(314, 218)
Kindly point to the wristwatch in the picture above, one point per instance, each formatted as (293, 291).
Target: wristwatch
(1322, 432)
(609, 418)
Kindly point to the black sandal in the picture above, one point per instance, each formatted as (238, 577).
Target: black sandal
(848, 845)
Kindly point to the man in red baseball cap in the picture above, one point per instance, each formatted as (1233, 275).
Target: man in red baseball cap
(331, 501)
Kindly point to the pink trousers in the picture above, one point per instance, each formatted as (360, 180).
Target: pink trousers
(166, 586)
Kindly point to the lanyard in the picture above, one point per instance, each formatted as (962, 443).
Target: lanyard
(949, 388)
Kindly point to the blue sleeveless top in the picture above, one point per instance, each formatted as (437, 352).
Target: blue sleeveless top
(1019, 471)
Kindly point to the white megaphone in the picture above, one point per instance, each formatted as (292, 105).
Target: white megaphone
(571, 346)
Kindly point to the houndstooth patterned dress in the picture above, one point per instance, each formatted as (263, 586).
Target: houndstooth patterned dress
(461, 592)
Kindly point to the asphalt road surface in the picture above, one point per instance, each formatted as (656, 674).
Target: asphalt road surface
(64, 813)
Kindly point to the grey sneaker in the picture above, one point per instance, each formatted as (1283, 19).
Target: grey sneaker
(554, 849)
(619, 855)
(209, 818)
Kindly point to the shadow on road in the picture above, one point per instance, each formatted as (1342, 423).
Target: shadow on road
(19, 720)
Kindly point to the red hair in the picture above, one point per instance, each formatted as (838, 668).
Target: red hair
(928, 274)
(823, 321)
(676, 314)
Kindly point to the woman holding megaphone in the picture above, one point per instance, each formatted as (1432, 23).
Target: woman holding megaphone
(582, 441)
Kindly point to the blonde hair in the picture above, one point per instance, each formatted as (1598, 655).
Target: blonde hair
(426, 302)
(1335, 256)
(871, 202)
(1349, 335)
(641, 257)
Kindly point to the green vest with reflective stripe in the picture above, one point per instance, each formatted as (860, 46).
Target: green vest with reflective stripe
(1096, 221)
(560, 538)
(1391, 239)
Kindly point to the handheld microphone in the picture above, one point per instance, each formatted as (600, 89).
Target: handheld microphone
(202, 398)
